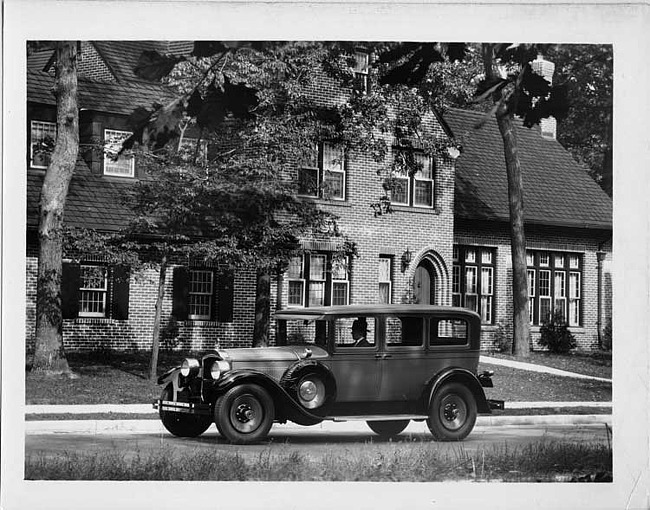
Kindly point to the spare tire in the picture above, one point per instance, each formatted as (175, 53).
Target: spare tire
(312, 385)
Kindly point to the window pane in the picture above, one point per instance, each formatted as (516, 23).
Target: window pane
(574, 285)
(470, 255)
(339, 293)
(333, 157)
(574, 261)
(43, 136)
(486, 256)
(295, 267)
(399, 192)
(361, 60)
(339, 269)
(456, 252)
(559, 261)
(531, 282)
(560, 284)
(92, 291)
(486, 308)
(455, 286)
(296, 292)
(574, 312)
(384, 293)
(544, 308)
(317, 266)
(316, 293)
(486, 280)
(449, 332)
(530, 258)
(544, 283)
(308, 181)
(200, 294)
(423, 193)
(470, 280)
(424, 161)
(543, 259)
(471, 302)
(124, 164)
(333, 184)
(384, 269)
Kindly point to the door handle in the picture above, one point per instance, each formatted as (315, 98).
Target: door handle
(383, 356)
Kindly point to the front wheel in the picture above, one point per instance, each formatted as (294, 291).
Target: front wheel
(388, 428)
(182, 424)
(452, 413)
(244, 414)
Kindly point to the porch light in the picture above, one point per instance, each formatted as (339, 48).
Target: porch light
(406, 259)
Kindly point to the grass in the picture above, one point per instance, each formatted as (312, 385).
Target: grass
(122, 378)
(598, 364)
(542, 462)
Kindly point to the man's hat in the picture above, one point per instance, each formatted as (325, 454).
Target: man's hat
(360, 324)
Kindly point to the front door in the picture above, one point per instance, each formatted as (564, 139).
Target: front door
(423, 286)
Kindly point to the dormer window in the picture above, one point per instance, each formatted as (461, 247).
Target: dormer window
(114, 165)
(43, 136)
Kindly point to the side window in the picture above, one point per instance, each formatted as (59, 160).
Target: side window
(95, 290)
(354, 332)
(404, 331)
(448, 332)
(203, 294)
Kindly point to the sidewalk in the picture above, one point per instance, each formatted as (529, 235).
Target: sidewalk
(538, 368)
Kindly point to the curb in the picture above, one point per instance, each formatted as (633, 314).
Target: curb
(148, 409)
(155, 426)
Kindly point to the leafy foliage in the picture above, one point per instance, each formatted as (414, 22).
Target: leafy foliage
(556, 336)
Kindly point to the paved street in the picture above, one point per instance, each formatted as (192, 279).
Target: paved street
(314, 441)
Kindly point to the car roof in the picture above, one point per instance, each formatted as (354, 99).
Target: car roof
(330, 312)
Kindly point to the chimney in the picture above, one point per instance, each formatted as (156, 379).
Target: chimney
(546, 69)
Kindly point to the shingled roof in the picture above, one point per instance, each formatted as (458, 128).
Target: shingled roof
(557, 190)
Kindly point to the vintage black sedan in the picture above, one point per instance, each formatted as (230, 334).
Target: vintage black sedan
(384, 364)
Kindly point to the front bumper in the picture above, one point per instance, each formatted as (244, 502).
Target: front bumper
(182, 407)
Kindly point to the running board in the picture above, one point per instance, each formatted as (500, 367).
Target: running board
(379, 417)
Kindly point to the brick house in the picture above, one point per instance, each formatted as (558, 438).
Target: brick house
(446, 243)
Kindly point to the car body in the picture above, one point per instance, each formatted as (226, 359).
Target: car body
(414, 362)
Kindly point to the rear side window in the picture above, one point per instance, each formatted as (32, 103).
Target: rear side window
(449, 332)
(404, 331)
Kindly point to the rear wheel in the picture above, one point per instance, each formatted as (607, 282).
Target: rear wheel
(244, 414)
(182, 424)
(452, 413)
(388, 428)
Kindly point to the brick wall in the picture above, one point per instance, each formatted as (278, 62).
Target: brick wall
(92, 66)
(560, 239)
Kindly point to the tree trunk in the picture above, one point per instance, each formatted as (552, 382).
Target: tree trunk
(262, 308)
(49, 355)
(520, 316)
(155, 344)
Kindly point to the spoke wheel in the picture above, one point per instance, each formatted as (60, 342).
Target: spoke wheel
(182, 424)
(452, 414)
(244, 414)
(388, 428)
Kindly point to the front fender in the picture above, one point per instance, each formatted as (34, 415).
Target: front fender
(462, 376)
(286, 407)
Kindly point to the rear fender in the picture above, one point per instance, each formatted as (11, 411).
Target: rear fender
(286, 407)
(459, 375)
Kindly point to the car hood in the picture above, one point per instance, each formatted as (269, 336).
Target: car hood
(284, 353)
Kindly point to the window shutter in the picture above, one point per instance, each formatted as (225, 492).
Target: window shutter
(70, 276)
(120, 308)
(180, 293)
(225, 296)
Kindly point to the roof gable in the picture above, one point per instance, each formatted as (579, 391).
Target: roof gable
(557, 190)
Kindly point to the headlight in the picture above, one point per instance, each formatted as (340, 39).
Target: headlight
(217, 368)
(189, 367)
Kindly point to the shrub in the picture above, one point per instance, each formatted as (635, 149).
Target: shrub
(556, 336)
(503, 338)
(606, 338)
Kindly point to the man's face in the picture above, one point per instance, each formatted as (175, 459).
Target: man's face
(357, 333)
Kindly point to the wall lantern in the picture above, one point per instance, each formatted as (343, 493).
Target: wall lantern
(406, 259)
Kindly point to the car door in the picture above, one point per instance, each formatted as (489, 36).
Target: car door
(357, 369)
(404, 368)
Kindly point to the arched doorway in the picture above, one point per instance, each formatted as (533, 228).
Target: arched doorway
(424, 284)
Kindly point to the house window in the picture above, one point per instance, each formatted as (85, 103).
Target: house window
(200, 294)
(361, 67)
(203, 294)
(95, 290)
(122, 165)
(323, 175)
(556, 288)
(188, 151)
(43, 136)
(473, 276)
(318, 279)
(409, 187)
(384, 278)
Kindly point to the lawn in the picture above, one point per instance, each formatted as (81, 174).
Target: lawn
(598, 364)
(122, 378)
